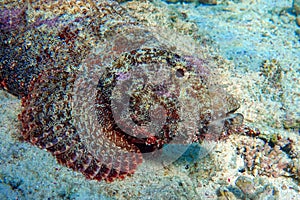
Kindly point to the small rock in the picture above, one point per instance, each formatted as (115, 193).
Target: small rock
(256, 189)
(176, 1)
(212, 2)
(298, 20)
(226, 194)
(291, 120)
(246, 185)
(296, 6)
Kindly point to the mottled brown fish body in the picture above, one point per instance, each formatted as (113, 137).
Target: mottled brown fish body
(101, 91)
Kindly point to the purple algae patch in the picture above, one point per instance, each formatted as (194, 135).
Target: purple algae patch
(11, 19)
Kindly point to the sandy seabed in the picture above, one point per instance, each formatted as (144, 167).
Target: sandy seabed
(246, 33)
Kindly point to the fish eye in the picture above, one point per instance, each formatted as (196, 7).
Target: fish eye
(179, 73)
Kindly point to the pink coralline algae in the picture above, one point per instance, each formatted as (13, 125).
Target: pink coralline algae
(270, 158)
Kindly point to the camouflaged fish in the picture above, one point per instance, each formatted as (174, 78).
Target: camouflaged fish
(100, 91)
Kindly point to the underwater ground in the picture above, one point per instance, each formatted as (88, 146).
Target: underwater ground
(256, 46)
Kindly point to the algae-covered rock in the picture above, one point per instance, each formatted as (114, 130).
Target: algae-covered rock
(256, 188)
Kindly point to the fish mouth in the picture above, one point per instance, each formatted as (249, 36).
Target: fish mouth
(219, 128)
